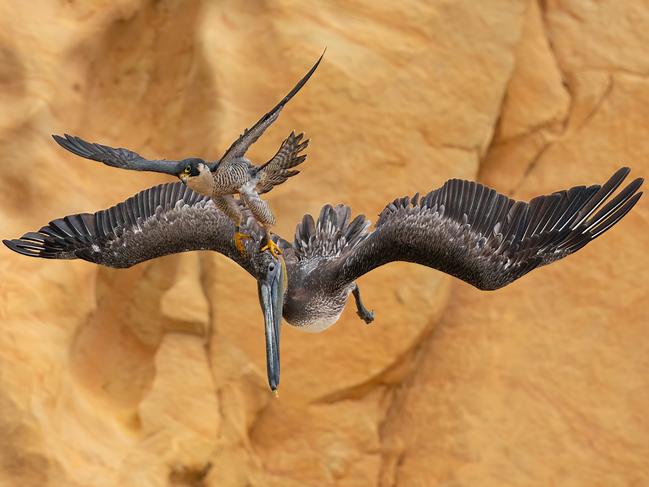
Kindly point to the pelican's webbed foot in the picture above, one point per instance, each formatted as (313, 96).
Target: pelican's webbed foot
(238, 241)
(361, 310)
(272, 246)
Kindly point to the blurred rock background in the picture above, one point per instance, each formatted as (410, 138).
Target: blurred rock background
(155, 375)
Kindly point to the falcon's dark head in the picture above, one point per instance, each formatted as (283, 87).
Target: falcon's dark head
(190, 167)
(195, 173)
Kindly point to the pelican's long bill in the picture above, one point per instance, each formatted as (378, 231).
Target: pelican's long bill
(271, 298)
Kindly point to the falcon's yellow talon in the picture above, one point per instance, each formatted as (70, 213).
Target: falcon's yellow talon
(238, 241)
(272, 246)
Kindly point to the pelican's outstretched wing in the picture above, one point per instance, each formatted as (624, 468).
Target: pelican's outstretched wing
(484, 238)
(250, 136)
(162, 220)
(120, 157)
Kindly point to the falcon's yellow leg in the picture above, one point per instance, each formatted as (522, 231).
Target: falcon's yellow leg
(272, 246)
(238, 238)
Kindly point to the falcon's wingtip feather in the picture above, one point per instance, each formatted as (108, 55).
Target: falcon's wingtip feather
(63, 140)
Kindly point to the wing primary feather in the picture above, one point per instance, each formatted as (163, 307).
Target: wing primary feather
(161, 200)
(79, 225)
(70, 222)
(141, 206)
(134, 211)
(489, 209)
(604, 192)
(37, 237)
(616, 217)
(578, 200)
(49, 232)
(109, 227)
(554, 213)
(88, 224)
(616, 202)
(112, 219)
(521, 224)
(126, 218)
(451, 202)
(99, 222)
(153, 198)
(128, 210)
(466, 194)
(170, 197)
(177, 194)
(151, 202)
(546, 212)
(29, 246)
(476, 207)
(458, 200)
(503, 203)
(532, 213)
(471, 198)
(441, 199)
(497, 201)
(13, 245)
(61, 227)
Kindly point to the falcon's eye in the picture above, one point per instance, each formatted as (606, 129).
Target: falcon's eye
(188, 169)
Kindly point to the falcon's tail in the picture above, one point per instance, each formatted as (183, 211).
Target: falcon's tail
(278, 169)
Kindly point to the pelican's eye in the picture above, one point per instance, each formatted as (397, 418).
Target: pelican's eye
(271, 266)
(188, 169)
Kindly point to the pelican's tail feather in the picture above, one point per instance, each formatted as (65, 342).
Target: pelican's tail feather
(332, 235)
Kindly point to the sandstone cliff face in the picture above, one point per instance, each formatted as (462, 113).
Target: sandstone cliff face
(155, 375)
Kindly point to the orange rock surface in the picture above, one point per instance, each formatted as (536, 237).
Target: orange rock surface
(155, 375)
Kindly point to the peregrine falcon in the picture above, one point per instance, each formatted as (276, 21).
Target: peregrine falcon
(232, 174)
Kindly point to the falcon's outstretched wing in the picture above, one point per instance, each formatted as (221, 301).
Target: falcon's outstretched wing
(161, 220)
(250, 136)
(484, 238)
(279, 168)
(120, 157)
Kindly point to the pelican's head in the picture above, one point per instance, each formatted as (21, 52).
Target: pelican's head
(197, 175)
(272, 283)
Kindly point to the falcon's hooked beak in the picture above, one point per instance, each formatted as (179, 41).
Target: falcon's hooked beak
(184, 174)
(271, 289)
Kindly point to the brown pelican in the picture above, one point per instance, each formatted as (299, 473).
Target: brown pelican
(232, 174)
(463, 228)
